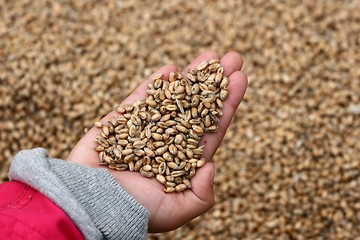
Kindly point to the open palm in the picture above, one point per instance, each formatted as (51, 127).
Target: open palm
(171, 210)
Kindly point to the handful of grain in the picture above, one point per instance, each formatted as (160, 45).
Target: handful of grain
(159, 136)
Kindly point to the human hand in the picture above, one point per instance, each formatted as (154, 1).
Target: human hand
(169, 211)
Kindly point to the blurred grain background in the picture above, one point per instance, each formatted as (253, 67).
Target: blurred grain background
(289, 166)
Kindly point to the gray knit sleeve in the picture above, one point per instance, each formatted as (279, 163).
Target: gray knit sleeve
(92, 198)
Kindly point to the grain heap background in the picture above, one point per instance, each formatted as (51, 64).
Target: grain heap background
(289, 166)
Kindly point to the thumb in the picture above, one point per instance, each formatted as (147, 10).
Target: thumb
(202, 184)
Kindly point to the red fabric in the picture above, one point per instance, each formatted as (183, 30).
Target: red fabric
(27, 214)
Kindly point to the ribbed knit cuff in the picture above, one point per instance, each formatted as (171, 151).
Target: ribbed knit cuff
(83, 193)
(116, 214)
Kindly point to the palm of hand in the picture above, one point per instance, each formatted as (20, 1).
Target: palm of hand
(169, 211)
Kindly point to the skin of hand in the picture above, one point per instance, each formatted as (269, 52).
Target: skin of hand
(169, 211)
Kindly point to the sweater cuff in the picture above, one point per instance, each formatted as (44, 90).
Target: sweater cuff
(92, 198)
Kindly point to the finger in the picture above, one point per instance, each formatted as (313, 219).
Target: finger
(201, 58)
(231, 62)
(236, 87)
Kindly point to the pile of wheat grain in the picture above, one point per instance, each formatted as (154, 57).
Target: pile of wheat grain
(289, 165)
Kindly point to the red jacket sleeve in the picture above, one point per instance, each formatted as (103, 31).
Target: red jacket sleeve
(27, 214)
